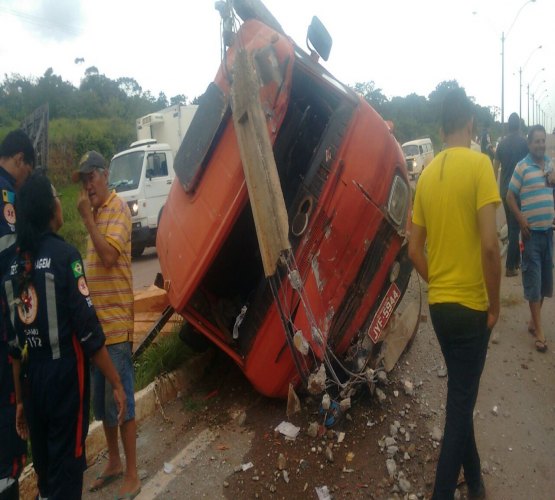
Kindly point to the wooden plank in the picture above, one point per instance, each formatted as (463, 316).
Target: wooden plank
(261, 175)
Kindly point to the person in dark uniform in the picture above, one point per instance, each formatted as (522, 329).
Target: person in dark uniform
(17, 160)
(52, 319)
(511, 150)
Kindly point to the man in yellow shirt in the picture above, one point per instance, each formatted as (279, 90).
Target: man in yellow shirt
(453, 246)
(108, 269)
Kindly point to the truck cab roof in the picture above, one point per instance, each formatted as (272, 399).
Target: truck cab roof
(142, 142)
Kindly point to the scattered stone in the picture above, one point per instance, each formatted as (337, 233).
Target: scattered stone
(329, 454)
(409, 388)
(381, 395)
(312, 429)
(241, 419)
(345, 404)
(389, 441)
(340, 437)
(396, 394)
(285, 476)
(437, 434)
(392, 450)
(391, 467)
(282, 461)
(293, 402)
(226, 484)
(404, 485)
(442, 372)
(382, 377)
(495, 411)
(317, 380)
(143, 474)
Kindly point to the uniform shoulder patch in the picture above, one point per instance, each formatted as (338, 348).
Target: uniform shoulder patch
(77, 268)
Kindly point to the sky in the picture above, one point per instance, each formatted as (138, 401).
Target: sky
(403, 46)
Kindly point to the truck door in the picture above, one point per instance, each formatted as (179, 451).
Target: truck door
(157, 185)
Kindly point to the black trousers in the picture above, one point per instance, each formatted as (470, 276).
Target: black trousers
(57, 411)
(463, 336)
(513, 248)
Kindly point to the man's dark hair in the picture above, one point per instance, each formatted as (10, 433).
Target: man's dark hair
(456, 111)
(532, 130)
(514, 122)
(17, 141)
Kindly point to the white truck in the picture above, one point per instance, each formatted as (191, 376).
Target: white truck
(142, 175)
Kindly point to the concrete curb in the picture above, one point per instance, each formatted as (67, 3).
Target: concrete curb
(164, 389)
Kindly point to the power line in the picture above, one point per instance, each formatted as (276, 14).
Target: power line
(43, 22)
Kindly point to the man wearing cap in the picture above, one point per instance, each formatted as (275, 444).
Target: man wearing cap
(108, 268)
(17, 161)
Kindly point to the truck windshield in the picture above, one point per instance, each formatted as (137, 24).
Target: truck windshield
(125, 171)
(410, 150)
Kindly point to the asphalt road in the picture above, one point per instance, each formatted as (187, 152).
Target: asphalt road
(145, 268)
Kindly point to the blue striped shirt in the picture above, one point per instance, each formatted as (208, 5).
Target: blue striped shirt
(536, 196)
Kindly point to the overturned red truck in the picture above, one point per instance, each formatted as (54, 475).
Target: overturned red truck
(286, 250)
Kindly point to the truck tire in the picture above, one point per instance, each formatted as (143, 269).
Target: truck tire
(137, 249)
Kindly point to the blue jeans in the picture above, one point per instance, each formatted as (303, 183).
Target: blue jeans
(513, 247)
(463, 336)
(537, 266)
(104, 406)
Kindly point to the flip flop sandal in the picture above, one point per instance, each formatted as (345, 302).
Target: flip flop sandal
(128, 496)
(541, 346)
(104, 480)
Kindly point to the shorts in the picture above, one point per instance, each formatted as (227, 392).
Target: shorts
(537, 266)
(104, 406)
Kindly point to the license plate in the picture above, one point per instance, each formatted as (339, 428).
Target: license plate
(384, 312)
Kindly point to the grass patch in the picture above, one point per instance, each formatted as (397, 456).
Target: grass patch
(162, 357)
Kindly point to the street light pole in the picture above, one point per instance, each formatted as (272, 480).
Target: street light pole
(520, 79)
(503, 38)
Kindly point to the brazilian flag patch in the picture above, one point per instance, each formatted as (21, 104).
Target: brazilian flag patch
(77, 268)
(8, 196)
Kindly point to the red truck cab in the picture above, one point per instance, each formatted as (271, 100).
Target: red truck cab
(347, 196)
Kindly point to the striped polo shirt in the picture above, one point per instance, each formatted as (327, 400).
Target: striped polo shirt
(536, 196)
(111, 288)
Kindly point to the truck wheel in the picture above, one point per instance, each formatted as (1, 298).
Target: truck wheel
(137, 249)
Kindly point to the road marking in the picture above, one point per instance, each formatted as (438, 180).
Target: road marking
(158, 484)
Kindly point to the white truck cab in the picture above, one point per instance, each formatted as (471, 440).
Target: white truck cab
(142, 175)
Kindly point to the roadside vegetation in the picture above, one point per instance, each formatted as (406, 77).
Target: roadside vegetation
(162, 357)
(100, 114)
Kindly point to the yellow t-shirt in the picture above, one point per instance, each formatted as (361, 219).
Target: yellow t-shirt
(449, 193)
(111, 289)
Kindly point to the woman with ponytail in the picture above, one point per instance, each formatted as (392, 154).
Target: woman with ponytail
(54, 331)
